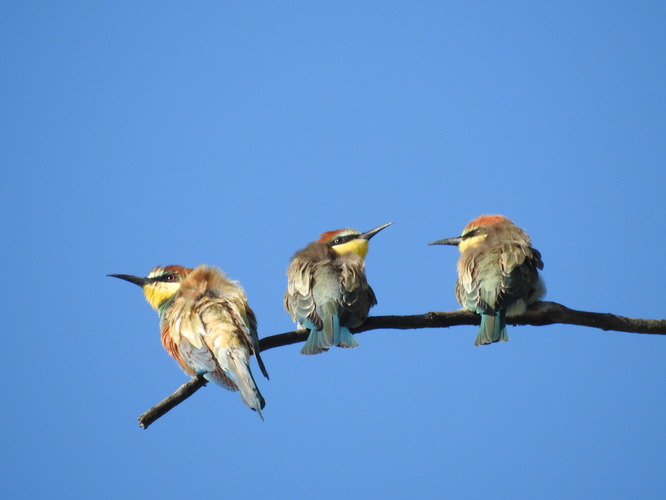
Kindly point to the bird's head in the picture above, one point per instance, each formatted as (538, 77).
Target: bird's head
(475, 232)
(161, 283)
(350, 240)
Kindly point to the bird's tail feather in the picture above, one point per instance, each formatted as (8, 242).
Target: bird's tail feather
(331, 333)
(237, 368)
(492, 329)
(320, 340)
(343, 337)
(316, 343)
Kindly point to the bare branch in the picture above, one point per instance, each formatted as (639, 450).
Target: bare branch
(181, 394)
(550, 313)
(540, 314)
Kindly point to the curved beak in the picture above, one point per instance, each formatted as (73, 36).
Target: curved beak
(447, 241)
(369, 234)
(132, 279)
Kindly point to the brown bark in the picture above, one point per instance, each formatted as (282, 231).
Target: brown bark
(540, 314)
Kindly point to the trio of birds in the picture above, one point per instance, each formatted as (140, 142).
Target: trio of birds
(208, 327)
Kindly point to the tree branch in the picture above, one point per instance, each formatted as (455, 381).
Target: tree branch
(181, 394)
(539, 314)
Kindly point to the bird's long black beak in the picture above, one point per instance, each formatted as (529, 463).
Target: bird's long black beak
(132, 279)
(369, 234)
(448, 241)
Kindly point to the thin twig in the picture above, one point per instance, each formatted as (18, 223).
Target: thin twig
(540, 314)
(181, 394)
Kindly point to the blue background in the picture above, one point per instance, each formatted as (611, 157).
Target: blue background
(233, 133)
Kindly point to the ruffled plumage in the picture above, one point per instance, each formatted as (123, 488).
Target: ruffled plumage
(327, 293)
(498, 276)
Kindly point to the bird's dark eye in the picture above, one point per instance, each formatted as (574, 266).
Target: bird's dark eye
(170, 277)
(470, 234)
(338, 240)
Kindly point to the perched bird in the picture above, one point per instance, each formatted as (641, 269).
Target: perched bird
(207, 325)
(497, 273)
(327, 290)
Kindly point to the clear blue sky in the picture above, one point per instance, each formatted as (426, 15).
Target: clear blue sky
(233, 133)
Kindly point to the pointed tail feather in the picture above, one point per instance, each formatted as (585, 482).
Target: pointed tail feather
(500, 334)
(332, 333)
(321, 340)
(316, 343)
(237, 367)
(343, 337)
(260, 361)
(492, 329)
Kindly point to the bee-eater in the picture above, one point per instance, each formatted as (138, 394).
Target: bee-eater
(327, 291)
(497, 273)
(207, 326)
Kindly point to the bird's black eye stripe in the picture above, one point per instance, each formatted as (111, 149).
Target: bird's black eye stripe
(470, 234)
(167, 278)
(343, 239)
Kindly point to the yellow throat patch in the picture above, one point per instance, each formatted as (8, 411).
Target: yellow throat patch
(359, 246)
(158, 292)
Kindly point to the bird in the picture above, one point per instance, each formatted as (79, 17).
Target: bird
(206, 325)
(498, 273)
(327, 290)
